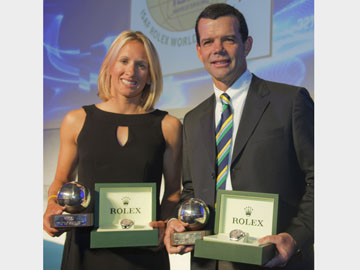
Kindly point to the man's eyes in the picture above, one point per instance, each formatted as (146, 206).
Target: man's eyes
(229, 39)
(206, 42)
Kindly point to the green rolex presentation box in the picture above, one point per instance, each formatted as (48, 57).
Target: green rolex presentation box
(253, 213)
(122, 215)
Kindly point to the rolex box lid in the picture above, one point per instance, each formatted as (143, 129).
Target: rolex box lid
(253, 213)
(122, 215)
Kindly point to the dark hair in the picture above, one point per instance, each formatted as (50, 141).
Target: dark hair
(219, 10)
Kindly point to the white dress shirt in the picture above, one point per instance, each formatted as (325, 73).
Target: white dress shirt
(237, 92)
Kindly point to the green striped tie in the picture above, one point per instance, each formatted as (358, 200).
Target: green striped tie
(223, 141)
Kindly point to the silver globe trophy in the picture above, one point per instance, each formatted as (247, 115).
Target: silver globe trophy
(76, 198)
(195, 213)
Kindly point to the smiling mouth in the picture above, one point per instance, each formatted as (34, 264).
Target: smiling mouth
(220, 63)
(129, 82)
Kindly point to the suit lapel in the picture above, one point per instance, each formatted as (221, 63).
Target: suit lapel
(207, 129)
(256, 102)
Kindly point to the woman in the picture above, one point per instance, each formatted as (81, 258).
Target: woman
(122, 139)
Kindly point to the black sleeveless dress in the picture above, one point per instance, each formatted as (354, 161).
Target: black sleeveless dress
(103, 160)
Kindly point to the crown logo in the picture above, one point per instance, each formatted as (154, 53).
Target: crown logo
(125, 200)
(248, 211)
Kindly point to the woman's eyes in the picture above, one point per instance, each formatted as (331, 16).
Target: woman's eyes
(140, 65)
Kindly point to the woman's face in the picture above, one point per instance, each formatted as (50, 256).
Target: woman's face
(130, 71)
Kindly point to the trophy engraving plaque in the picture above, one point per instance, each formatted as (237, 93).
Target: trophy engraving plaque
(76, 198)
(195, 213)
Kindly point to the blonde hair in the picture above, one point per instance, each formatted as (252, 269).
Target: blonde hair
(152, 92)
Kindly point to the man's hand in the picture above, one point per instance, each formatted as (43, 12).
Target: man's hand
(285, 246)
(175, 226)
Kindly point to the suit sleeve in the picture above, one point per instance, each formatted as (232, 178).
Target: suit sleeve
(302, 226)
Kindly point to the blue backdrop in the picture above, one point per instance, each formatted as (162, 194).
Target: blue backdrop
(78, 33)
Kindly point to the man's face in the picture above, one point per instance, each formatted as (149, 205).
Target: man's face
(221, 50)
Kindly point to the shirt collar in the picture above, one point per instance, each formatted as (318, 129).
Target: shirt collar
(238, 87)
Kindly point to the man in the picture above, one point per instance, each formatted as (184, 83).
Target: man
(270, 148)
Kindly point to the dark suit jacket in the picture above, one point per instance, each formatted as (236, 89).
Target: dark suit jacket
(273, 153)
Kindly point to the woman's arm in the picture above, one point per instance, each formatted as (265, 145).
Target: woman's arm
(66, 166)
(172, 130)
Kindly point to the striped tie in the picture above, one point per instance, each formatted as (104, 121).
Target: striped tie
(223, 141)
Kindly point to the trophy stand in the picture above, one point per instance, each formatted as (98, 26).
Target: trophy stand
(195, 213)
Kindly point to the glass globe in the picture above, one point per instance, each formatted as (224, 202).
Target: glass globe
(194, 212)
(74, 196)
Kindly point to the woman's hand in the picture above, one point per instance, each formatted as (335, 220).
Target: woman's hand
(160, 225)
(52, 209)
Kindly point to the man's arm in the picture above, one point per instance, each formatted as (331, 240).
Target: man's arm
(302, 226)
(300, 233)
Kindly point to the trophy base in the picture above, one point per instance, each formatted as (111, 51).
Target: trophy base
(71, 221)
(187, 238)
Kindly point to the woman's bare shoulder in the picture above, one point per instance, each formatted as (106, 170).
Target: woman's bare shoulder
(75, 117)
(171, 127)
(171, 122)
(73, 123)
